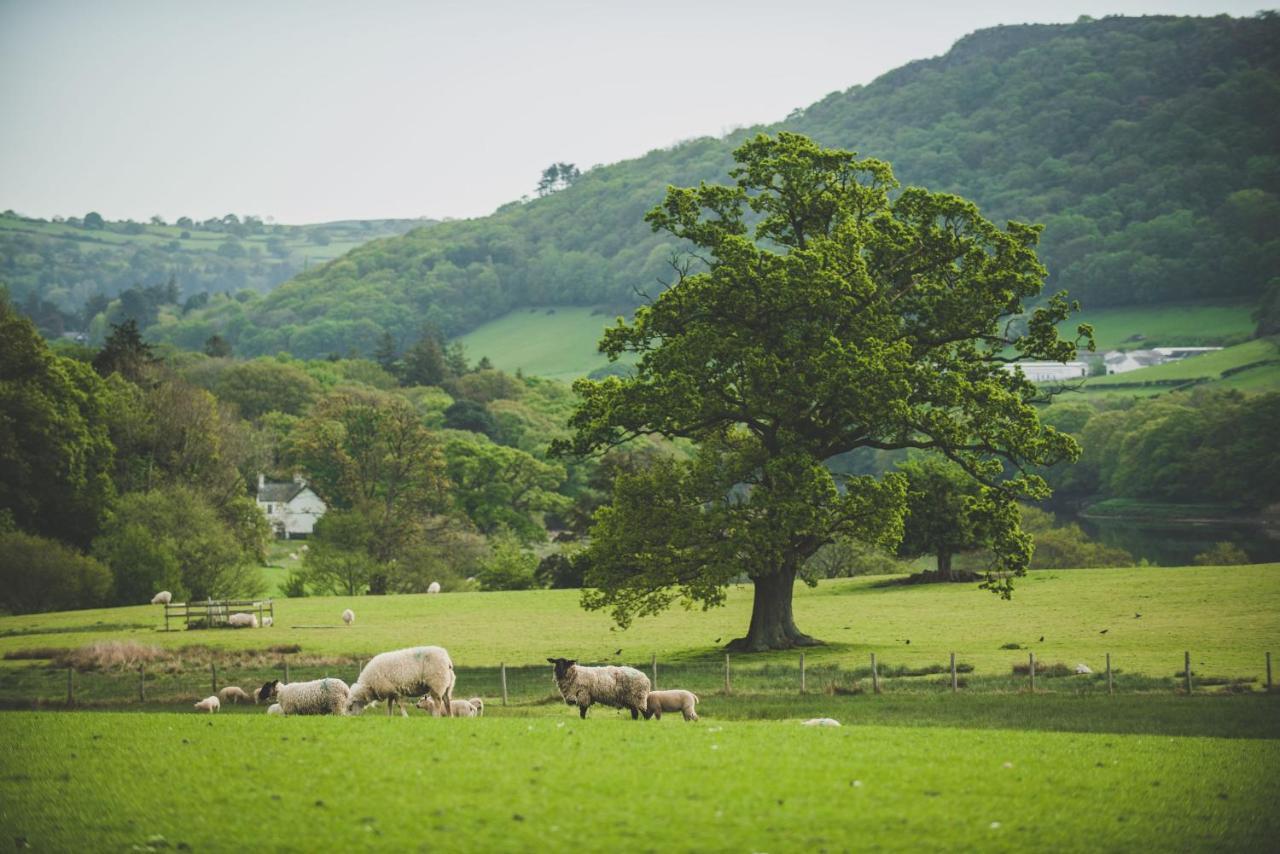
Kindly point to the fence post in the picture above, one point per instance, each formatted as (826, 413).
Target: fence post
(802, 673)
(1186, 659)
(213, 677)
(1111, 689)
(71, 686)
(142, 682)
(654, 665)
(1033, 672)
(875, 675)
(728, 684)
(1268, 672)
(955, 686)
(504, 683)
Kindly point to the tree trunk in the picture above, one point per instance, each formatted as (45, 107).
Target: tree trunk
(772, 625)
(944, 565)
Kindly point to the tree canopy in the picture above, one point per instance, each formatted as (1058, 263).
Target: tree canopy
(823, 312)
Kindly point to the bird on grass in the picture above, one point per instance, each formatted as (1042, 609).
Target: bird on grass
(1042, 639)
(618, 651)
(1104, 631)
(717, 640)
(1137, 616)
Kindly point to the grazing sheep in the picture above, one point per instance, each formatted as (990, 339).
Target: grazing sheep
(671, 701)
(275, 709)
(433, 587)
(209, 704)
(232, 694)
(266, 622)
(348, 616)
(243, 621)
(461, 708)
(821, 722)
(317, 697)
(405, 673)
(1083, 668)
(164, 597)
(478, 704)
(620, 687)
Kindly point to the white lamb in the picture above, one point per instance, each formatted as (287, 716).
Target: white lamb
(478, 704)
(433, 587)
(275, 709)
(671, 701)
(266, 622)
(408, 672)
(620, 687)
(317, 697)
(821, 722)
(164, 597)
(232, 694)
(348, 616)
(208, 704)
(461, 708)
(243, 621)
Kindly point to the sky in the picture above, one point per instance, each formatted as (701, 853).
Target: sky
(312, 111)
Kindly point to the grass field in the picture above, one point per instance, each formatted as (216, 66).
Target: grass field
(557, 342)
(1185, 324)
(109, 782)
(1261, 352)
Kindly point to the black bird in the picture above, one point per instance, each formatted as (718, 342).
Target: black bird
(1042, 639)
(908, 641)
(1136, 616)
(618, 651)
(717, 640)
(1104, 631)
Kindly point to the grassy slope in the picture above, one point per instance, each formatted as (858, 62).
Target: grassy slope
(1191, 324)
(1226, 616)
(1210, 365)
(607, 784)
(558, 342)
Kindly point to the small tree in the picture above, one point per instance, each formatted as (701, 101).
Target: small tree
(947, 512)
(338, 559)
(37, 575)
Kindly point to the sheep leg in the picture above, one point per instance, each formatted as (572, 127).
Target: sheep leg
(400, 705)
(582, 712)
(635, 713)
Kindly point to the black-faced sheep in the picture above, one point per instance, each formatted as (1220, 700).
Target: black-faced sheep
(317, 697)
(620, 687)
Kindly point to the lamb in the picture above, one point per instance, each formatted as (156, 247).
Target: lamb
(164, 597)
(232, 694)
(266, 622)
(478, 705)
(821, 722)
(405, 673)
(671, 701)
(620, 687)
(275, 709)
(209, 704)
(317, 697)
(461, 708)
(348, 616)
(433, 587)
(243, 621)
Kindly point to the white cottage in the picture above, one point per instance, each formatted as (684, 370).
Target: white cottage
(291, 508)
(1046, 372)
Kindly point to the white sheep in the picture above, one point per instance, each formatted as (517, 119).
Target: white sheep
(209, 704)
(433, 587)
(620, 687)
(348, 616)
(266, 622)
(821, 722)
(672, 700)
(461, 708)
(1083, 668)
(318, 697)
(478, 705)
(232, 694)
(405, 673)
(164, 597)
(243, 621)
(275, 709)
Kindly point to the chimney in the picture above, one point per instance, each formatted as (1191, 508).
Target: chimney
(299, 479)
(262, 481)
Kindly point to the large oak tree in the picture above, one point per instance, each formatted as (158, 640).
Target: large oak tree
(823, 310)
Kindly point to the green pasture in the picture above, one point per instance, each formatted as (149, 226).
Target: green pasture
(1259, 353)
(548, 341)
(197, 782)
(1168, 325)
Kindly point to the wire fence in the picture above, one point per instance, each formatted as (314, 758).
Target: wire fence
(171, 682)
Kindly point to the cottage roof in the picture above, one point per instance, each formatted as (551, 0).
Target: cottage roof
(280, 492)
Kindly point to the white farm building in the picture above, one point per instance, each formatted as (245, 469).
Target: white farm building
(1050, 372)
(291, 508)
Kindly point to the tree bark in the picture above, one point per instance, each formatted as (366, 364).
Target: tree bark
(944, 565)
(772, 624)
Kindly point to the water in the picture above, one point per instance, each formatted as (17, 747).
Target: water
(1175, 543)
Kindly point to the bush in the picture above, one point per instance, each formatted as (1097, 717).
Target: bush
(510, 567)
(1222, 554)
(561, 571)
(450, 556)
(847, 558)
(37, 574)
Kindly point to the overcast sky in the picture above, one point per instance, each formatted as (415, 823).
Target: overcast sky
(313, 110)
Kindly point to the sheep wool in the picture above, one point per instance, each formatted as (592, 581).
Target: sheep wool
(243, 621)
(164, 597)
(671, 701)
(433, 587)
(478, 705)
(274, 709)
(232, 694)
(266, 622)
(408, 672)
(461, 708)
(620, 687)
(348, 616)
(209, 704)
(821, 722)
(317, 697)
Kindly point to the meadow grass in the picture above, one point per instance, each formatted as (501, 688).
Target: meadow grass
(107, 782)
(1176, 324)
(1209, 365)
(558, 342)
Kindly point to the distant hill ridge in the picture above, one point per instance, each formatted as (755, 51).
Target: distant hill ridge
(1145, 145)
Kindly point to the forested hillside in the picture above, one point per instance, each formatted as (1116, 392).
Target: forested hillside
(1146, 146)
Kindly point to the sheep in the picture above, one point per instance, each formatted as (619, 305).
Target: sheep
(164, 597)
(275, 709)
(209, 704)
(671, 701)
(348, 616)
(821, 722)
(405, 673)
(478, 705)
(266, 622)
(232, 694)
(1083, 668)
(317, 697)
(620, 687)
(461, 708)
(243, 621)
(433, 587)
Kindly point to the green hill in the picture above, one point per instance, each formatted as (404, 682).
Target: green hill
(1145, 146)
(1251, 366)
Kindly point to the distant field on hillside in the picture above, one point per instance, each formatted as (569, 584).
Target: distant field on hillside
(1259, 358)
(548, 341)
(1184, 324)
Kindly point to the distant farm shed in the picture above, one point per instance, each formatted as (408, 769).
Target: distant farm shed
(292, 508)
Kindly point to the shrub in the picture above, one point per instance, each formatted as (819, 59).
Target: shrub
(37, 574)
(1221, 554)
(510, 567)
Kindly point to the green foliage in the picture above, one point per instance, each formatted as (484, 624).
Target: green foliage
(124, 353)
(846, 558)
(338, 560)
(1222, 554)
(841, 318)
(1067, 546)
(267, 385)
(38, 574)
(509, 567)
(447, 553)
(499, 488)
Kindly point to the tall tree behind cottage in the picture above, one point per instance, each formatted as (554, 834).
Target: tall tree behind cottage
(823, 312)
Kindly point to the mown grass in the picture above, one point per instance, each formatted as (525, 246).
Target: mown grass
(1207, 366)
(558, 342)
(1178, 324)
(110, 782)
